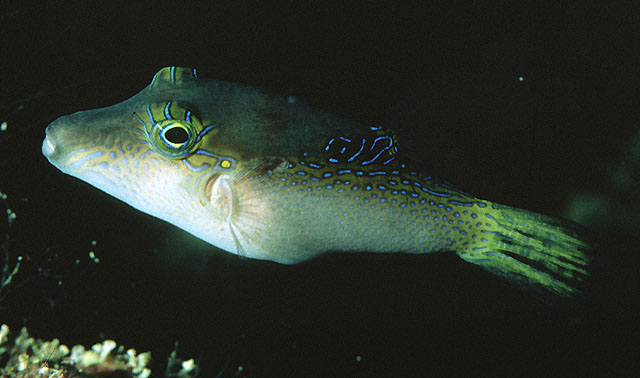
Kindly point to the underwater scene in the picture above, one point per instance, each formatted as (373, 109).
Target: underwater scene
(303, 190)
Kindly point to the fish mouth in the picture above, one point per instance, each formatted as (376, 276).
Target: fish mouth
(55, 146)
(48, 146)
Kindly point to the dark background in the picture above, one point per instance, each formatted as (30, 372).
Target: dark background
(446, 76)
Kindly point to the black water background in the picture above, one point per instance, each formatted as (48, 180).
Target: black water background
(446, 76)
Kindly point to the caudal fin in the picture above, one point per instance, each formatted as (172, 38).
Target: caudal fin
(542, 255)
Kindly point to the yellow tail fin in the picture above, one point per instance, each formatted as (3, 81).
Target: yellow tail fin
(538, 253)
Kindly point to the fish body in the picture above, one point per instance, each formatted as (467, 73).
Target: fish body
(268, 177)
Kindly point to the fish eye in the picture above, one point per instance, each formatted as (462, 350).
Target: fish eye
(173, 138)
(175, 135)
(172, 130)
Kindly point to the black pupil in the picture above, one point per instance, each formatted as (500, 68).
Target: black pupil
(176, 135)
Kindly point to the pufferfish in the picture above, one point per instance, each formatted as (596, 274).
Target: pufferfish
(267, 177)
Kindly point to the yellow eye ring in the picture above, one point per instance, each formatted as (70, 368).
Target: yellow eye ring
(175, 134)
(173, 138)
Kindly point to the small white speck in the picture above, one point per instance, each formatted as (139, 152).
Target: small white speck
(11, 215)
(521, 78)
(3, 126)
(93, 257)
(291, 99)
(358, 358)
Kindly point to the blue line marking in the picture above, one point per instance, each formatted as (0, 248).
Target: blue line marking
(460, 203)
(435, 193)
(496, 233)
(84, 159)
(166, 110)
(332, 160)
(345, 139)
(380, 138)
(204, 132)
(153, 123)
(153, 80)
(195, 74)
(193, 168)
(173, 75)
(139, 119)
(313, 165)
(453, 189)
(357, 153)
(328, 145)
(379, 153)
(187, 116)
(342, 171)
(388, 161)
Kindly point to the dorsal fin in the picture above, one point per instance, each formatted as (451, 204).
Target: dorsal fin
(378, 147)
(172, 77)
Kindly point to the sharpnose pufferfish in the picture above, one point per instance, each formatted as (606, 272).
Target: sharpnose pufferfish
(267, 177)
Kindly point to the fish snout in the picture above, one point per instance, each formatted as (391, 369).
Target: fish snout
(48, 144)
(55, 145)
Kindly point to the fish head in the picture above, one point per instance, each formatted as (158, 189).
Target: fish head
(178, 150)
